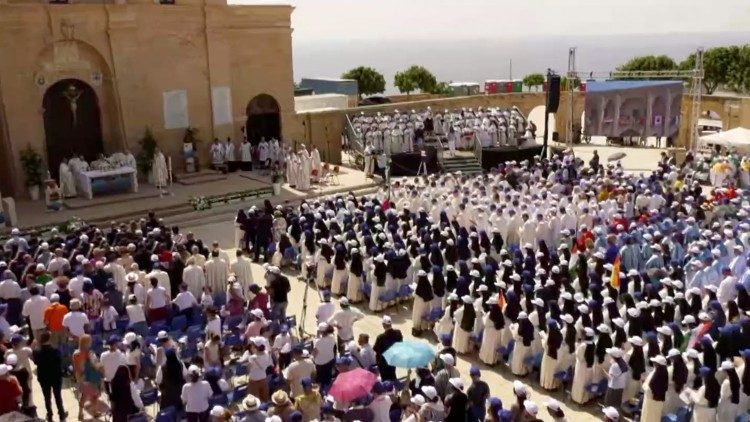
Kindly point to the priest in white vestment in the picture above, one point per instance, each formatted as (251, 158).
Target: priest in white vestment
(159, 169)
(118, 276)
(306, 167)
(246, 156)
(316, 164)
(67, 181)
(194, 277)
(161, 276)
(216, 272)
(243, 270)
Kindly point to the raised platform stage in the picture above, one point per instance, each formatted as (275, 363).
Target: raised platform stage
(491, 157)
(407, 163)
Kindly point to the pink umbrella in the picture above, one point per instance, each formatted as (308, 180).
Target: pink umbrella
(352, 385)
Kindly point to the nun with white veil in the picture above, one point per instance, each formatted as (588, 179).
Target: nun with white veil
(379, 279)
(445, 325)
(423, 296)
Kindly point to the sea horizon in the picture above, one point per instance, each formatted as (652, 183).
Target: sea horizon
(480, 59)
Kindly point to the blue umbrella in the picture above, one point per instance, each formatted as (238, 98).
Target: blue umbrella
(409, 354)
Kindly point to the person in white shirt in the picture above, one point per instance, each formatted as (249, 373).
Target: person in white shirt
(344, 320)
(618, 377)
(195, 395)
(76, 284)
(282, 347)
(58, 264)
(157, 299)
(135, 311)
(185, 301)
(324, 354)
(301, 367)
(9, 288)
(109, 316)
(75, 320)
(33, 309)
(326, 309)
(161, 277)
(258, 361)
(113, 358)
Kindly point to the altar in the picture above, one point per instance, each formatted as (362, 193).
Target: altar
(106, 181)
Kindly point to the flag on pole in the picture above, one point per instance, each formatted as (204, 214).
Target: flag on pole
(614, 281)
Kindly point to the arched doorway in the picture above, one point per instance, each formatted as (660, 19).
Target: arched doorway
(72, 122)
(263, 119)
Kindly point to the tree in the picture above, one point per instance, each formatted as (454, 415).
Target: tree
(564, 83)
(442, 88)
(404, 82)
(533, 79)
(646, 63)
(416, 77)
(369, 80)
(720, 66)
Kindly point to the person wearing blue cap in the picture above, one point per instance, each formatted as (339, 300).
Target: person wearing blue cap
(505, 415)
(478, 393)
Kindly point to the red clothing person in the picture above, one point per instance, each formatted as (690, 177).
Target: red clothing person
(10, 391)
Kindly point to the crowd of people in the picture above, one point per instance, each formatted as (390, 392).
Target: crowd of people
(620, 288)
(405, 131)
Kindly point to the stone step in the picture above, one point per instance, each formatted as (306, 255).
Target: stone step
(203, 176)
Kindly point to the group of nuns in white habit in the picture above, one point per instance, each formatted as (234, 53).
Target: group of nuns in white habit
(227, 154)
(303, 168)
(520, 266)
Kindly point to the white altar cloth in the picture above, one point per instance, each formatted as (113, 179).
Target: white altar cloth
(84, 179)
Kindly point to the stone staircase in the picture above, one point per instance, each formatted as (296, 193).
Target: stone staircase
(466, 164)
(197, 178)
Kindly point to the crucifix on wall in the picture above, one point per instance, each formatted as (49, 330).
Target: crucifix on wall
(72, 94)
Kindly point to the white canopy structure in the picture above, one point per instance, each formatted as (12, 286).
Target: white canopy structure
(738, 137)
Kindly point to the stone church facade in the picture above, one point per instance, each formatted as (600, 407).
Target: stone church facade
(89, 77)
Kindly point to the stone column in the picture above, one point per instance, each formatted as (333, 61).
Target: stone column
(667, 120)
(649, 113)
(616, 122)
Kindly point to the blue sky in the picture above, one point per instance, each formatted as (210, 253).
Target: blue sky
(320, 20)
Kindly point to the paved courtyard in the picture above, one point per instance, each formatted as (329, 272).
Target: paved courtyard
(499, 378)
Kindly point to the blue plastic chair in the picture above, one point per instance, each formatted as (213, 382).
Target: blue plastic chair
(240, 370)
(157, 326)
(218, 400)
(220, 299)
(122, 324)
(140, 328)
(291, 321)
(239, 393)
(188, 353)
(150, 397)
(178, 323)
(168, 414)
(140, 417)
(232, 341)
(195, 332)
(233, 322)
(404, 291)
(366, 289)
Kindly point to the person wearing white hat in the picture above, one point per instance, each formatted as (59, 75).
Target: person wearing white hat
(343, 320)
(445, 374)
(611, 414)
(523, 335)
(655, 389)
(494, 323)
(585, 357)
(457, 401)
(195, 395)
(423, 297)
(617, 376)
(731, 393)
(555, 411)
(467, 324)
(356, 270)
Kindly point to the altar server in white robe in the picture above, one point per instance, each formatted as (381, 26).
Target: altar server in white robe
(246, 155)
(216, 272)
(264, 153)
(291, 170)
(423, 295)
(655, 391)
(230, 155)
(67, 181)
(584, 368)
(465, 320)
(159, 169)
(453, 136)
(316, 163)
(194, 277)
(494, 323)
(160, 275)
(369, 160)
(243, 270)
(523, 334)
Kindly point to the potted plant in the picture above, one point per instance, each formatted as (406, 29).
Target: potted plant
(277, 179)
(32, 165)
(145, 157)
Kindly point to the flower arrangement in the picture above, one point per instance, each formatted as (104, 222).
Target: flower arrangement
(200, 203)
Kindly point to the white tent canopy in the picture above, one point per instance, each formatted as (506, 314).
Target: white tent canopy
(737, 137)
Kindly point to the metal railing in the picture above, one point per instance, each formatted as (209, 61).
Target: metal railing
(477, 148)
(356, 143)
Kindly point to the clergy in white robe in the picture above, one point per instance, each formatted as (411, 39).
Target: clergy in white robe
(306, 169)
(217, 153)
(264, 154)
(242, 270)
(194, 277)
(246, 155)
(316, 163)
(159, 169)
(216, 272)
(118, 276)
(230, 153)
(67, 181)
